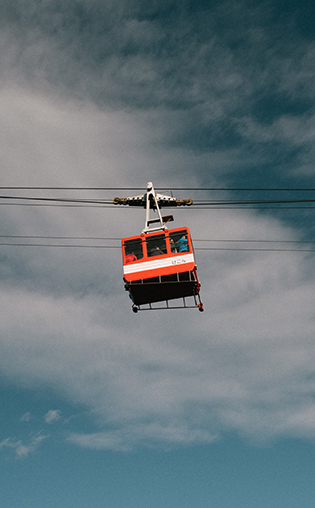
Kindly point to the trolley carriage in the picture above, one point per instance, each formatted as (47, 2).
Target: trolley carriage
(159, 265)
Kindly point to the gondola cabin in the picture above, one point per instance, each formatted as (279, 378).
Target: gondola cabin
(160, 266)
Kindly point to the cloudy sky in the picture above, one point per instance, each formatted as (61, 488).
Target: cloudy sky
(103, 407)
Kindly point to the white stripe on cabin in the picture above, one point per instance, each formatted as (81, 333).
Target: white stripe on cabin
(158, 263)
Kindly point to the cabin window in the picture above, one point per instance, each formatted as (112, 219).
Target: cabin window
(156, 245)
(179, 241)
(133, 250)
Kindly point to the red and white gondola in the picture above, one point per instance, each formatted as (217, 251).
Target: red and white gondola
(159, 264)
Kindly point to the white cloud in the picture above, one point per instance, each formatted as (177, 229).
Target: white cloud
(154, 434)
(22, 450)
(52, 416)
(26, 417)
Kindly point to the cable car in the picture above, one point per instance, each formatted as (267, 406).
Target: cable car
(159, 264)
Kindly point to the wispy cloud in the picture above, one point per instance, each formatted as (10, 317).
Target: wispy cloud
(23, 449)
(152, 435)
(52, 416)
(26, 417)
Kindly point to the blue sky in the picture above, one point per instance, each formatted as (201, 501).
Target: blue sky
(101, 407)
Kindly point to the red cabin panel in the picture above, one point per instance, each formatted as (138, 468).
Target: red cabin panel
(160, 266)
